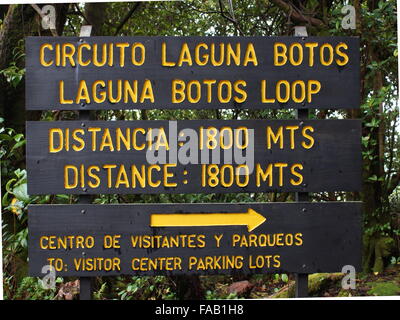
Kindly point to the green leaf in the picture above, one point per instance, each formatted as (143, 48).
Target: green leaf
(21, 192)
(18, 137)
(5, 137)
(18, 145)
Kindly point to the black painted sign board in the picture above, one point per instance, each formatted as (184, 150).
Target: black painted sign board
(72, 73)
(156, 239)
(193, 156)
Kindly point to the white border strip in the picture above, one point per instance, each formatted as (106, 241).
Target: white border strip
(1, 224)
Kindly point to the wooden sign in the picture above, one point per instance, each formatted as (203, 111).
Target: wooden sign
(193, 156)
(92, 73)
(151, 239)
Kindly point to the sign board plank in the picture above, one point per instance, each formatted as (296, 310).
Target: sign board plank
(73, 73)
(193, 156)
(154, 239)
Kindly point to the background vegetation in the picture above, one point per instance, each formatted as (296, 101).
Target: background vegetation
(376, 27)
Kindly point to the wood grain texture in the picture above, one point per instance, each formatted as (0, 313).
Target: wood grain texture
(331, 234)
(332, 164)
(340, 84)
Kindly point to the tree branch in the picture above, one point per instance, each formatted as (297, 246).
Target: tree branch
(235, 23)
(394, 182)
(296, 14)
(127, 17)
(79, 11)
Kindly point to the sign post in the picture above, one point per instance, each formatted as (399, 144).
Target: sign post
(301, 289)
(193, 156)
(85, 283)
(88, 240)
(103, 73)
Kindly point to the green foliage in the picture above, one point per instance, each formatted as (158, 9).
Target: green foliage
(11, 151)
(13, 74)
(99, 294)
(394, 260)
(384, 288)
(283, 277)
(212, 295)
(147, 288)
(31, 289)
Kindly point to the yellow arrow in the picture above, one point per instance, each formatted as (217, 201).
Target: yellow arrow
(252, 219)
